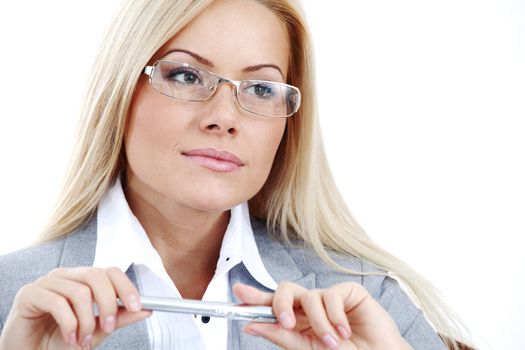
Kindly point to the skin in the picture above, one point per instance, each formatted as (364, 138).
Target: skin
(185, 205)
(343, 316)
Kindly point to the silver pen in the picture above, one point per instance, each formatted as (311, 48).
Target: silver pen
(208, 308)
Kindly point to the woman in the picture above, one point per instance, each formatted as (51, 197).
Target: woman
(197, 108)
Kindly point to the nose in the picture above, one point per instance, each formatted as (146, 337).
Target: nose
(221, 117)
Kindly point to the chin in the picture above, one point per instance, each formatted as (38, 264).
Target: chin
(216, 201)
(214, 206)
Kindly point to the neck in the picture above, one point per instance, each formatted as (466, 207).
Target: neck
(187, 240)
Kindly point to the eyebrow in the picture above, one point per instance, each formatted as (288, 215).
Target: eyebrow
(261, 66)
(194, 55)
(208, 63)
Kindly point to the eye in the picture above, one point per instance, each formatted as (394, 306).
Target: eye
(260, 90)
(184, 75)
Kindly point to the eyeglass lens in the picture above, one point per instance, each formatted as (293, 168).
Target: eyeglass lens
(184, 82)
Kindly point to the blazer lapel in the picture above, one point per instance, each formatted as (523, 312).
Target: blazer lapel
(281, 267)
(79, 250)
(79, 247)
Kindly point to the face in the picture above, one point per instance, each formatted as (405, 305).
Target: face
(210, 155)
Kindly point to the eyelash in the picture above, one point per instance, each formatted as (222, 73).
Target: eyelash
(181, 70)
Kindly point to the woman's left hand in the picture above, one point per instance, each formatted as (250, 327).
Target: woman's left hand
(343, 316)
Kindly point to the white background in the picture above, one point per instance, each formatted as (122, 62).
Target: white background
(423, 112)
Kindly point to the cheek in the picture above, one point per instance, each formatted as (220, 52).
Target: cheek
(153, 131)
(268, 140)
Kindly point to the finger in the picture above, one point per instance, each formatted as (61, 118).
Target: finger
(313, 307)
(79, 296)
(106, 285)
(355, 297)
(103, 291)
(124, 318)
(126, 290)
(115, 283)
(287, 296)
(112, 283)
(251, 295)
(38, 301)
(284, 338)
(333, 300)
(105, 298)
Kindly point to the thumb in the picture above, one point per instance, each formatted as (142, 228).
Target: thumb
(251, 295)
(124, 318)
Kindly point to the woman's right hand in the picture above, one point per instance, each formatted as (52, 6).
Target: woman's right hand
(56, 311)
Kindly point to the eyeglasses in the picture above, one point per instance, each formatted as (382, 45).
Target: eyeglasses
(184, 82)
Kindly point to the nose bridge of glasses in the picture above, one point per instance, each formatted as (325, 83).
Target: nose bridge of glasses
(221, 81)
(234, 83)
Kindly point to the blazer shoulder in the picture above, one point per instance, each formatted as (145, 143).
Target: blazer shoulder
(356, 268)
(31, 261)
(299, 256)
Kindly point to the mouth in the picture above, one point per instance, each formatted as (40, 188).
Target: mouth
(221, 161)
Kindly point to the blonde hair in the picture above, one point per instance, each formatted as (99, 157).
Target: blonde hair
(299, 199)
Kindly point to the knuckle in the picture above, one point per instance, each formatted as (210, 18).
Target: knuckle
(114, 270)
(357, 290)
(310, 296)
(67, 322)
(284, 285)
(94, 275)
(352, 285)
(120, 279)
(81, 295)
(59, 303)
(25, 292)
(55, 272)
(97, 272)
(331, 294)
(40, 280)
(107, 304)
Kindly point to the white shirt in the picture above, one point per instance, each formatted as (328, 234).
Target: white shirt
(122, 241)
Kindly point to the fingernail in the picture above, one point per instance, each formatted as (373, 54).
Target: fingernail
(87, 340)
(345, 333)
(252, 332)
(286, 320)
(109, 324)
(330, 341)
(72, 338)
(133, 303)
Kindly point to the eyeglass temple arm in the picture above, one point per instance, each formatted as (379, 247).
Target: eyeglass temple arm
(148, 70)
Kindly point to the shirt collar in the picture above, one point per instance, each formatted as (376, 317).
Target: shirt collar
(251, 257)
(122, 241)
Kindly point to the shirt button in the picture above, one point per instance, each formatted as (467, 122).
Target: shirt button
(205, 319)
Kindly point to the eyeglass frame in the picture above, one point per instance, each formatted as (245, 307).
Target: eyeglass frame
(149, 71)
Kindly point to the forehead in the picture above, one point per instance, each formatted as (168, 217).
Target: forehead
(234, 34)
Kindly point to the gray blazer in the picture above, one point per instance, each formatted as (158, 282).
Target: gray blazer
(283, 262)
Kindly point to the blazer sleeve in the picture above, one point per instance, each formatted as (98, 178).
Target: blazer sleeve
(410, 320)
(22, 267)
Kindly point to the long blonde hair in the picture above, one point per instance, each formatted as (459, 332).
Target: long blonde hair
(299, 199)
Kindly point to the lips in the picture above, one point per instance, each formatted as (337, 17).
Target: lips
(221, 161)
